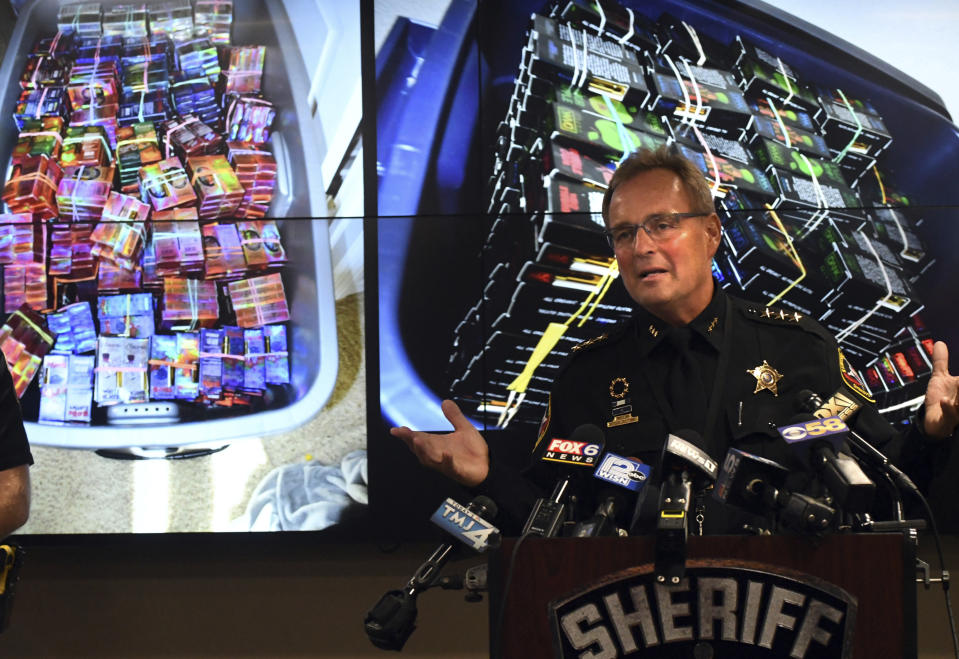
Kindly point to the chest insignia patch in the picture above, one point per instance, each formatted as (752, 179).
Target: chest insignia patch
(622, 409)
(766, 378)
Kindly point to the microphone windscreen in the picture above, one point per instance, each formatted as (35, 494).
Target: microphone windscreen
(484, 507)
(646, 511)
(588, 432)
(808, 400)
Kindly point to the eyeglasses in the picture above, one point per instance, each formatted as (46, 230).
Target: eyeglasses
(659, 227)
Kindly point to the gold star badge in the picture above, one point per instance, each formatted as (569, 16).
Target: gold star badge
(766, 378)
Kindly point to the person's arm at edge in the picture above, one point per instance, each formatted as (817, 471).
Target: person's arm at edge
(14, 499)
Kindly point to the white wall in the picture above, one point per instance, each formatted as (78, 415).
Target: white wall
(918, 38)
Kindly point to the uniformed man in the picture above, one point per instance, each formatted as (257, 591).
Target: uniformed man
(691, 357)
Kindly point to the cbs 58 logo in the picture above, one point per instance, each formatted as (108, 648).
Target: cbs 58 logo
(818, 428)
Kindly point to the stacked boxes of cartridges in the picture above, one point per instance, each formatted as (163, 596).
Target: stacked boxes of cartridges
(135, 261)
(579, 103)
(812, 223)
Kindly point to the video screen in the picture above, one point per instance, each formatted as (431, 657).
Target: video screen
(186, 220)
(182, 262)
(831, 179)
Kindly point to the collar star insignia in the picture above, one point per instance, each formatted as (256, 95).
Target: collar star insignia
(653, 331)
(712, 324)
(766, 378)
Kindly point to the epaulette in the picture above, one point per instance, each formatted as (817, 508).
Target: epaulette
(774, 316)
(770, 314)
(588, 342)
(612, 333)
(777, 316)
(783, 317)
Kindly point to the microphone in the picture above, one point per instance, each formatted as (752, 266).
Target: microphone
(603, 521)
(474, 581)
(757, 485)
(749, 482)
(582, 449)
(845, 406)
(817, 443)
(393, 618)
(840, 404)
(686, 467)
(646, 511)
(467, 524)
(628, 475)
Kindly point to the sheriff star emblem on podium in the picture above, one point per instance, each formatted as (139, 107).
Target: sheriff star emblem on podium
(766, 378)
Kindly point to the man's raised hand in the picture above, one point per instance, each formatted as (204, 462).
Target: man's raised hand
(462, 455)
(942, 395)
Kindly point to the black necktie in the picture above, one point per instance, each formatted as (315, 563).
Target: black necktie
(684, 382)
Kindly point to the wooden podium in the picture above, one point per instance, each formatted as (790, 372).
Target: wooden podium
(743, 596)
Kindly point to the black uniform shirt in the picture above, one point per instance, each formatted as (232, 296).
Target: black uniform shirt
(14, 448)
(670, 381)
(755, 360)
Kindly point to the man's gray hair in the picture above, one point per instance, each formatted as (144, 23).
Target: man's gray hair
(662, 158)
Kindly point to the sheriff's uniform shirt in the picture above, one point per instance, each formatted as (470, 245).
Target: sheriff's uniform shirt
(753, 362)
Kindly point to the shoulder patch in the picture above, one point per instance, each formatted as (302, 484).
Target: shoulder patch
(851, 378)
(544, 424)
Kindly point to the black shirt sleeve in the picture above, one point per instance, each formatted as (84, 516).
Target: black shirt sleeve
(14, 447)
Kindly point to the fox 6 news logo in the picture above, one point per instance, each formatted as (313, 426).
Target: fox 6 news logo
(566, 450)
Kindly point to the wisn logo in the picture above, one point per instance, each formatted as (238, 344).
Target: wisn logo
(624, 472)
(464, 525)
